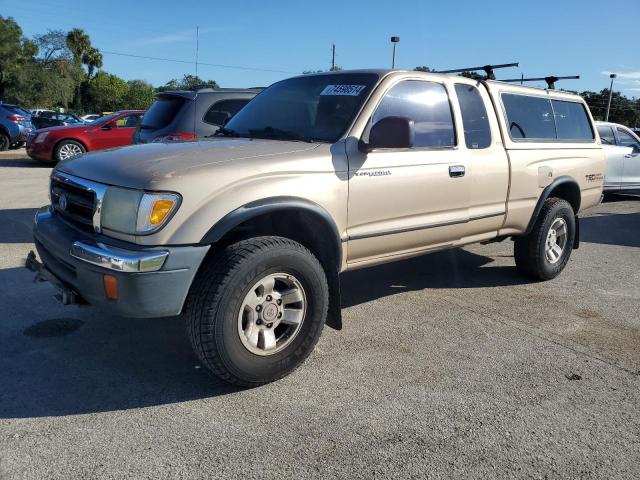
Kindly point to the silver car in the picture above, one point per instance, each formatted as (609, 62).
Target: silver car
(622, 149)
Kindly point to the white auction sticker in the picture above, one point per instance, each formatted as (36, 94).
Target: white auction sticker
(349, 90)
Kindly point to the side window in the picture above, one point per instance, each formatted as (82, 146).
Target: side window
(427, 104)
(606, 135)
(477, 132)
(572, 122)
(529, 117)
(223, 110)
(628, 140)
(128, 121)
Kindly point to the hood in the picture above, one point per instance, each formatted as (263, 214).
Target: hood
(143, 166)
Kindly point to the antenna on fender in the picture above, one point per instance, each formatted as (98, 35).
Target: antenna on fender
(487, 69)
(551, 80)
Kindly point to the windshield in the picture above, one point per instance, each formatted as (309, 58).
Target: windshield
(161, 113)
(314, 108)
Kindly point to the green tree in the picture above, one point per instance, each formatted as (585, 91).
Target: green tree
(15, 52)
(139, 95)
(186, 82)
(78, 42)
(52, 46)
(422, 69)
(92, 58)
(105, 92)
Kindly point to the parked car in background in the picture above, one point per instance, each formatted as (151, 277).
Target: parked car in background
(59, 143)
(55, 119)
(90, 118)
(35, 112)
(186, 114)
(15, 126)
(622, 148)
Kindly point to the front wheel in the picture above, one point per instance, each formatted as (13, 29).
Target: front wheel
(68, 149)
(545, 251)
(256, 310)
(5, 142)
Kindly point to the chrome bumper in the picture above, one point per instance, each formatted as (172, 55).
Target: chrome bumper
(118, 259)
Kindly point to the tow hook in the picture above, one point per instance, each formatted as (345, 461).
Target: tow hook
(65, 295)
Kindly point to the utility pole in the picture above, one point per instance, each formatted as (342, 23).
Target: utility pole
(394, 40)
(333, 57)
(197, 47)
(612, 76)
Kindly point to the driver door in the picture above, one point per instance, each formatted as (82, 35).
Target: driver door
(405, 201)
(630, 181)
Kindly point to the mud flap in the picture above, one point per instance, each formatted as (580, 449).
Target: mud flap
(334, 314)
(576, 238)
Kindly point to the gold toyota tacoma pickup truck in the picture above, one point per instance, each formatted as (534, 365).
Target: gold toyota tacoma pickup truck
(245, 234)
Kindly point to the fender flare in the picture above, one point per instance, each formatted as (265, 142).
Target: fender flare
(563, 180)
(280, 203)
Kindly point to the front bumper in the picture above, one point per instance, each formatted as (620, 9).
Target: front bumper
(152, 282)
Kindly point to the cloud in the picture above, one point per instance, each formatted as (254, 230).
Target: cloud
(176, 37)
(625, 75)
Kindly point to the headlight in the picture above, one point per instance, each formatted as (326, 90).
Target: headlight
(136, 212)
(40, 137)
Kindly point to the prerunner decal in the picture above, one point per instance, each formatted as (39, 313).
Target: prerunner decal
(348, 90)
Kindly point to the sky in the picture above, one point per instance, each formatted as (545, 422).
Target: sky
(255, 43)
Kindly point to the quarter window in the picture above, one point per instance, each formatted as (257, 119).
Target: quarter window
(606, 135)
(427, 104)
(223, 110)
(477, 132)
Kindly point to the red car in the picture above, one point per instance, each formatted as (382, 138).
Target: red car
(59, 143)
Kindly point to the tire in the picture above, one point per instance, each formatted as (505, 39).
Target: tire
(531, 252)
(217, 310)
(67, 145)
(5, 142)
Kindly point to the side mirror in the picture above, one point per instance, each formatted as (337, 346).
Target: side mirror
(390, 132)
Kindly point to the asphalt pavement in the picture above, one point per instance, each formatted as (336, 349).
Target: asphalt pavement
(449, 365)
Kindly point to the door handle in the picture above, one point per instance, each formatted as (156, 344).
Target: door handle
(456, 171)
(629, 155)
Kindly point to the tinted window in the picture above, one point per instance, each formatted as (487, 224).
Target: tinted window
(128, 121)
(162, 112)
(572, 122)
(223, 110)
(529, 117)
(628, 140)
(477, 133)
(313, 107)
(606, 135)
(427, 104)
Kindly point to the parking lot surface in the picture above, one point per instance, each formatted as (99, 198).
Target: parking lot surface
(449, 365)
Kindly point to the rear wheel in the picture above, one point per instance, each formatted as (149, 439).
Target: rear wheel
(68, 149)
(5, 142)
(257, 309)
(543, 253)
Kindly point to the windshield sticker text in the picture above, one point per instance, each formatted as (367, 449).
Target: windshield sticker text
(348, 90)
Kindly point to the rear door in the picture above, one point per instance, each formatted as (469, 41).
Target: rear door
(630, 181)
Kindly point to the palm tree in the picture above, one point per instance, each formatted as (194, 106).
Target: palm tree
(78, 42)
(92, 58)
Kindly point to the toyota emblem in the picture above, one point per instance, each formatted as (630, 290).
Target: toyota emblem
(62, 202)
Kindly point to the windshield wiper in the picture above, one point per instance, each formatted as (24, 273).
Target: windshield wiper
(272, 133)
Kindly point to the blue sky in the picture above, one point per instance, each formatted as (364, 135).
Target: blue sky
(565, 37)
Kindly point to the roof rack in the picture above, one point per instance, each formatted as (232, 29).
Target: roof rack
(488, 69)
(551, 80)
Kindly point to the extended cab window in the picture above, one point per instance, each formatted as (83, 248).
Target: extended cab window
(572, 122)
(223, 110)
(606, 135)
(529, 117)
(477, 132)
(427, 104)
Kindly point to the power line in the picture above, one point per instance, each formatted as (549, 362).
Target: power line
(191, 62)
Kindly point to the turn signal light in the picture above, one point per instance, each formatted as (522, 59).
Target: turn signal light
(110, 286)
(160, 210)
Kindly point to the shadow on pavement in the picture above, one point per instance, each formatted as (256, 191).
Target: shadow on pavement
(621, 229)
(68, 360)
(447, 269)
(16, 225)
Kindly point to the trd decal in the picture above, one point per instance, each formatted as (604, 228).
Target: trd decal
(373, 173)
(594, 177)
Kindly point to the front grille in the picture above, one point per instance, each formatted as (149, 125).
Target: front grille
(73, 202)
